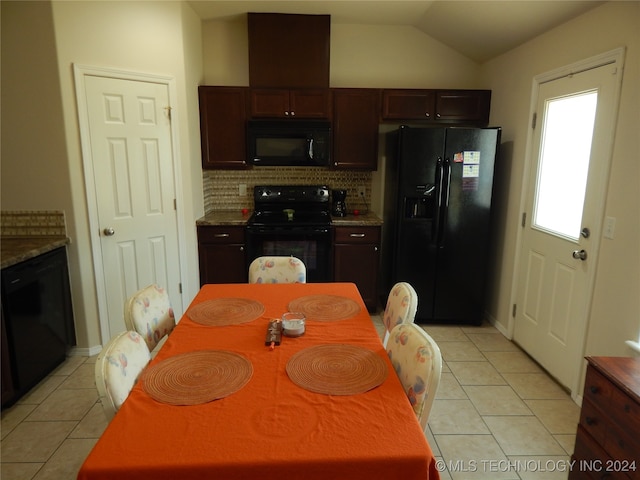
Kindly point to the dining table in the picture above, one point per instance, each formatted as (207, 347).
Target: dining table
(323, 404)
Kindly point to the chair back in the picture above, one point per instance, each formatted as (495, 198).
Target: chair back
(277, 270)
(402, 304)
(417, 360)
(118, 367)
(149, 312)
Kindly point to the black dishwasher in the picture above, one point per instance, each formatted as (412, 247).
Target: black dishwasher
(37, 316)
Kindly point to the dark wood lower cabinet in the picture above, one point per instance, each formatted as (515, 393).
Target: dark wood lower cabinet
(221, 252)
(356, 258)
(607, 444)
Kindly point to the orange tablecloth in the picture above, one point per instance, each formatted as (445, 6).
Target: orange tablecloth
(271, 428)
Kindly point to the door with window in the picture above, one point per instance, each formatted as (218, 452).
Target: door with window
(562, 221)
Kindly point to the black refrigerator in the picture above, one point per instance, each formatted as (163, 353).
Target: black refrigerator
(438, 193)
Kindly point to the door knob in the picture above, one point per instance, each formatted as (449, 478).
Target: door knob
(108, 231)
(580, 254)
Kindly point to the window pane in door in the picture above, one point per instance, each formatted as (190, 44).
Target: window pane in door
(564, 163)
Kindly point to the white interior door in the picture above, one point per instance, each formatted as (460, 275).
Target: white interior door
(132, 161)
(563, 216)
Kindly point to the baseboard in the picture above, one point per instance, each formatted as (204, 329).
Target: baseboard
(84, 352)
(498, 326)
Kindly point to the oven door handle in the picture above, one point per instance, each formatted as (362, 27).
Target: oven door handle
(287, 231)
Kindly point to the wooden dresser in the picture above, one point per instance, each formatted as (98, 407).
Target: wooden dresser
(608, 439)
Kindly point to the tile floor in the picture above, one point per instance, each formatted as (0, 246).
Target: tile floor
(497, 415)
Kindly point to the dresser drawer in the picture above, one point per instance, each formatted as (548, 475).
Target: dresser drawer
(598, 389)
(357, 235)
(623, 448)
(625, 411)
(222, 234)
(593, 421)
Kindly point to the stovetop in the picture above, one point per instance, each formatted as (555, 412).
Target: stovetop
(291, 205)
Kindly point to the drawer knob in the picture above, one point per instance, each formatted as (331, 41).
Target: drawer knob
(594, 389)
(627, 408)
(590, 420)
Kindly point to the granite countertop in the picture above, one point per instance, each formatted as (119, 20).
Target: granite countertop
(15, 249)
(224, 217)
(362, 220)
(231, 217)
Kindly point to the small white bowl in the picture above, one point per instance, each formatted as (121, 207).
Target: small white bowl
(293, 324)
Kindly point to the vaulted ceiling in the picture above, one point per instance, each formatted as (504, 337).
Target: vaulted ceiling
(478, 29)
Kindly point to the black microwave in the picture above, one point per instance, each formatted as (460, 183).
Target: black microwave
(289, 143)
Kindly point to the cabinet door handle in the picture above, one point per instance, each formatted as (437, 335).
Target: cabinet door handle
(242, 249)
(357, 235)
(221, 235)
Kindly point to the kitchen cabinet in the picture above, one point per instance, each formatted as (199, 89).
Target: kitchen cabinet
(355, 128)
(285, 103)
(223, 115)
(356, 258)
(607, 444)
(288, 50)
(221, 252)
(464, 107)
(408, 104)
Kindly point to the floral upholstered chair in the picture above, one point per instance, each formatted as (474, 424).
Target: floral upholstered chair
(117, 369)
(417, 360)
(149, 312)
(277, 270)
(402, 304)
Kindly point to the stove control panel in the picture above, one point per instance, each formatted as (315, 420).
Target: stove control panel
(291, 193)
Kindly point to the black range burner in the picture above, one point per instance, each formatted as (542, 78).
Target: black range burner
(291, 205)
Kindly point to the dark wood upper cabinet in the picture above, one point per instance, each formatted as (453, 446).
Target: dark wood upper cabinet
(355, 128)
(464, 107)
(288, 50)
(223, 116)
(290, 103)
(408, 104)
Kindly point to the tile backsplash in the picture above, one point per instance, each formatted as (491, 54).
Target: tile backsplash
(222, 187)
(49, 223)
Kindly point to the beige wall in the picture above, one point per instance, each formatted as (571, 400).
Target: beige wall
(42, 165)
(615, 310)
(361, 56)
(145, 37)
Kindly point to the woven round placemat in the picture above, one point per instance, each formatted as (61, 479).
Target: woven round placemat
(337, 369)
(325, 308)
(197, 377)
(226, 311)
